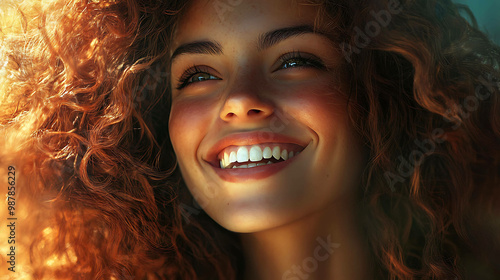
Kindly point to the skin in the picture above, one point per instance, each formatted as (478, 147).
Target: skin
(281, 217)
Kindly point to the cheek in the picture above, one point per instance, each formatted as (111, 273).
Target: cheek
(188, 123)
(322, 107)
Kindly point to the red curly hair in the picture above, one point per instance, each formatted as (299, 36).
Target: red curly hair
(84, 98)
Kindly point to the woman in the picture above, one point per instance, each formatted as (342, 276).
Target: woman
(314, 140)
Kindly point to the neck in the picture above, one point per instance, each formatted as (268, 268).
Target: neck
(325, 245)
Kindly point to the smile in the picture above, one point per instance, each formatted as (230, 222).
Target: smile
(255, 161)
(257, 155)
(240, 157)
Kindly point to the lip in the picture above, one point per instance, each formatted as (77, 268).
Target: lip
(248, 139)
(254, 173)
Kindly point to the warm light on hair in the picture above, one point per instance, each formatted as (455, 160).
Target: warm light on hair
(98, 192)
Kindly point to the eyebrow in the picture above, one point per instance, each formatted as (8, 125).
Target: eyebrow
(265, 41)
(200, 47)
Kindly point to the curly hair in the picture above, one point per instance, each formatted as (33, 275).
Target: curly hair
(84, 90)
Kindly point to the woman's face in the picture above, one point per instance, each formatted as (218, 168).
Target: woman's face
(251, 79)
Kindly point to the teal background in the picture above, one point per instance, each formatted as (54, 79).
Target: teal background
(487, 13)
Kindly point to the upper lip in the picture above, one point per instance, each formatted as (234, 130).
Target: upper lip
(247, 139)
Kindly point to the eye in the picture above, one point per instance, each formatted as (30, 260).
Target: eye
(297, 59)
(195, 74)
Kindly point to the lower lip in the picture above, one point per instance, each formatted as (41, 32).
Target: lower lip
(253, 173)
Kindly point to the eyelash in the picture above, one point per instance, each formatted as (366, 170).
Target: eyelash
(309, 59)
(188, 74)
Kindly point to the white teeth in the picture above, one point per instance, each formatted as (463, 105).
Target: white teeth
(242, 154)
(232, 157)
(255, 153)
(267, 153)
(276, 152)
(284, 154)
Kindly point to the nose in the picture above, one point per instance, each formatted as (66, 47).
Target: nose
(245, 105)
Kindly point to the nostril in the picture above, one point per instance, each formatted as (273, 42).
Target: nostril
(253, 112)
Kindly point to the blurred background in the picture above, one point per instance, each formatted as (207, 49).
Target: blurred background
(487, 13)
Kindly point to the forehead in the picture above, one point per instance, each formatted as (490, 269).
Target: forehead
(209, 19)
